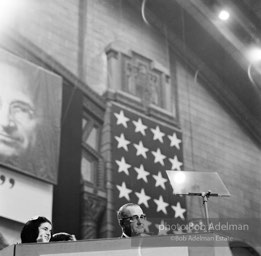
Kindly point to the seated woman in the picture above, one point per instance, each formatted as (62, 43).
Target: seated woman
(37, 230)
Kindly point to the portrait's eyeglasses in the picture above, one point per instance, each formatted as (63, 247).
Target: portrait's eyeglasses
(135, 218)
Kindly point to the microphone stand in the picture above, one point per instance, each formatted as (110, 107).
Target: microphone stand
(205, 196)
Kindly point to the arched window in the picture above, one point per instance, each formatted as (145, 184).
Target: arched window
(91, 160)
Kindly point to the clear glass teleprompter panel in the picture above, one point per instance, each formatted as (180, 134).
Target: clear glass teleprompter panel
(197, 183)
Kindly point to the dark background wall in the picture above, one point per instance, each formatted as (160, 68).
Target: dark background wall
(66, 201)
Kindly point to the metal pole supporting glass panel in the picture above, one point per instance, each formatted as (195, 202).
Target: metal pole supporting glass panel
(204, 184)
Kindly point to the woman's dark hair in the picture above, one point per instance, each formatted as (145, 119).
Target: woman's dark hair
(30, 230)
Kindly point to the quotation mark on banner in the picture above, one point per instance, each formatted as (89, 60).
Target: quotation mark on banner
(4, 180)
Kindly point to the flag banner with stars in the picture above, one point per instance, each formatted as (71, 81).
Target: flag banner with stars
(142, 150)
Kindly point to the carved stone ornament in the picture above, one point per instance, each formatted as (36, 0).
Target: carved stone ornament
(141, 80)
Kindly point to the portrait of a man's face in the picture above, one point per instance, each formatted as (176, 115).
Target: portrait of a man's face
(18, 118)
(30, 110)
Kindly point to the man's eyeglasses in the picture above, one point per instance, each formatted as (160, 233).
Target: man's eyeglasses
(135, 218)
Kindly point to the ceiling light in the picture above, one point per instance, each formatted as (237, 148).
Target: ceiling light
(253, 54)
(224, 15)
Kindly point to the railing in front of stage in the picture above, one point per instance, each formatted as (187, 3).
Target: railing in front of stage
(183, 245)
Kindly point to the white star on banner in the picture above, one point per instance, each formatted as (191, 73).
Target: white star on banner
(140, 127)
(122, 142)
(175, 163)
(142, 174)
(143, 198)
(160, 181)
(146, 224)
(123, 166)
(174, 141)
(122, 119)
(163, 229)
(161, 205)
(158, 157)
(157, 134)
(178, 211)
(141, 150)
(124, 191)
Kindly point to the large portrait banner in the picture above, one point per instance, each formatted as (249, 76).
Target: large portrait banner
(30, 117)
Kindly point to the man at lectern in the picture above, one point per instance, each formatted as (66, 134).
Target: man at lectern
(131, 219)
